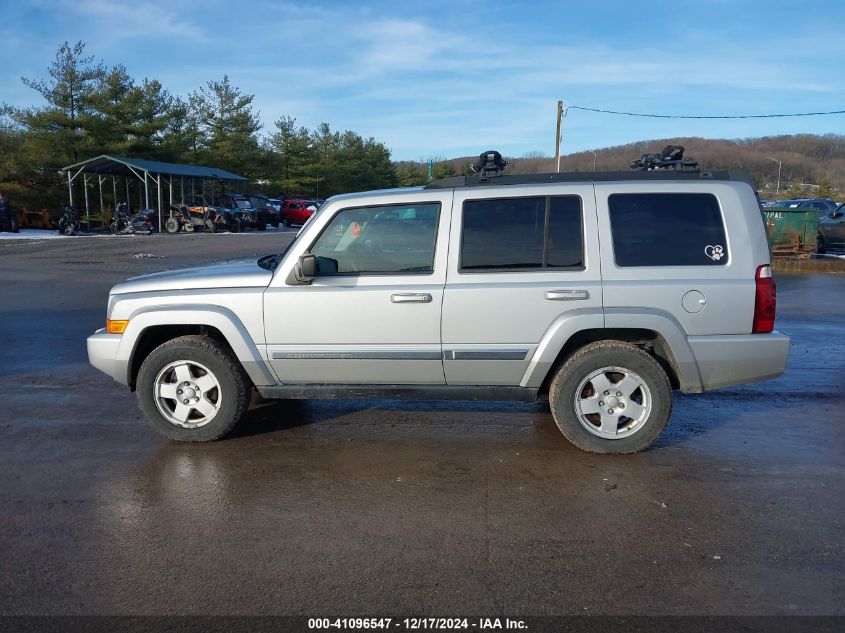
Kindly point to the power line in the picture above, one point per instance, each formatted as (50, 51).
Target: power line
(681, 116)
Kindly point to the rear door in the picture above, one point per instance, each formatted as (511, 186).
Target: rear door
(520, 259)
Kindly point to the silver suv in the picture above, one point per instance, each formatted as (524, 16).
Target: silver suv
(601, 291)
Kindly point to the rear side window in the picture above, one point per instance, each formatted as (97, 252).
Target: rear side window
(667, 229)
(510, 234)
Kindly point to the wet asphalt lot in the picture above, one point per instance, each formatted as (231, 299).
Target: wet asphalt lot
(416, 508)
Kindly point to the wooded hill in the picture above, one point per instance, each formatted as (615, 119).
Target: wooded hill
(807, 159)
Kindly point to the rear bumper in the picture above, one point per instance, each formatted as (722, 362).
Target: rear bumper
(102, 354)
(738, 359)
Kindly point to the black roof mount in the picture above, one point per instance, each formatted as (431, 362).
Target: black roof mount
(672, 157)
(490, 165)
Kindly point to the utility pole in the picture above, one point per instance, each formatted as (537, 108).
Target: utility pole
(780, 164)
(557, 135)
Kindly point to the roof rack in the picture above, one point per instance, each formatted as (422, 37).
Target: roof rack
(667, 165)
(584, 176)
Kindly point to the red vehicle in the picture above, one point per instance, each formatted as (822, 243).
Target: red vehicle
(296, 211)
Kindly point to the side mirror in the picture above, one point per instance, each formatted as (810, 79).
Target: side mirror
(307, 267)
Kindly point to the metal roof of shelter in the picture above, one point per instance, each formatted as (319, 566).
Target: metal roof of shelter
(122, 166)
(143, 172)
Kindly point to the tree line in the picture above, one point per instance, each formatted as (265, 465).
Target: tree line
(88, 109)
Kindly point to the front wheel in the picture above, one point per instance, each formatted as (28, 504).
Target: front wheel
(821, 247)
(191, 389)
(611, 397)
(171, 225)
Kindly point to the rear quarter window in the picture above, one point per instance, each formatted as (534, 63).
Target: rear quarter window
(667, 229)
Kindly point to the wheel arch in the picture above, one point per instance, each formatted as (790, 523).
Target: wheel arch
(656, 332)
(150, 328)
(648, 340)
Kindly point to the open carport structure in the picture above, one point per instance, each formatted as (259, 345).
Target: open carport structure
(178, 180)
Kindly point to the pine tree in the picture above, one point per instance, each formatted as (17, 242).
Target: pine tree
(62, 128)
(228, 126)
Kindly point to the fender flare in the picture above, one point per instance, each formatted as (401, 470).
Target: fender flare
(569, 324)
(223, 319)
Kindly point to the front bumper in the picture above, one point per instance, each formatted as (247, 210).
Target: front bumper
(102, 354)
(738, 359)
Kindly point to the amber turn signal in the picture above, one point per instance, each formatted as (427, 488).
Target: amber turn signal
(116, 327)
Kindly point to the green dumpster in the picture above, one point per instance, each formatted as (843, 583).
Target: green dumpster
(791, 230)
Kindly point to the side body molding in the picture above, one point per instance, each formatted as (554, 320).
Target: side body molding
(217, 317)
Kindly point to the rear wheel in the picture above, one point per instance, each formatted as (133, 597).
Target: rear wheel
(191, 389)
(611, 397)
(286, 221)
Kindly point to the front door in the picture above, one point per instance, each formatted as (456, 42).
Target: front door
(372, 314)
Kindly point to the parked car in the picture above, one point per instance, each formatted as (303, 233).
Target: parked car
(832, 231)
(241, 209)
(8, 221)
(601, 292)
(824, 205)
(266, 211)
(297, 211)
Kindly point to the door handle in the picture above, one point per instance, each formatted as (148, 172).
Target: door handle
(411, 297)
(567, 295)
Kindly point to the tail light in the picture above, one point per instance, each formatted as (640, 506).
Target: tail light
(765, 301)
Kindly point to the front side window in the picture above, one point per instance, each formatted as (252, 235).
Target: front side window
(386, 239)
(510, 234)
(667, 229)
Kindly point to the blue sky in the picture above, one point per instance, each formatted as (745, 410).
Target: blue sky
(454, 78)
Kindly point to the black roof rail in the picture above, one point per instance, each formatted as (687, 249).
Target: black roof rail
(588, 176)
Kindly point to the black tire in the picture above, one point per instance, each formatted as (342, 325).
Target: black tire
(275, 223)
(286, 222)
(13, 225)
(610, 354)
(171, 225)
(113, 228)
(234, 387)
(261, 226)
(70, 228)
(821, 247)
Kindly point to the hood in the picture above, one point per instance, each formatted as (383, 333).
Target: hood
(233, 273)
